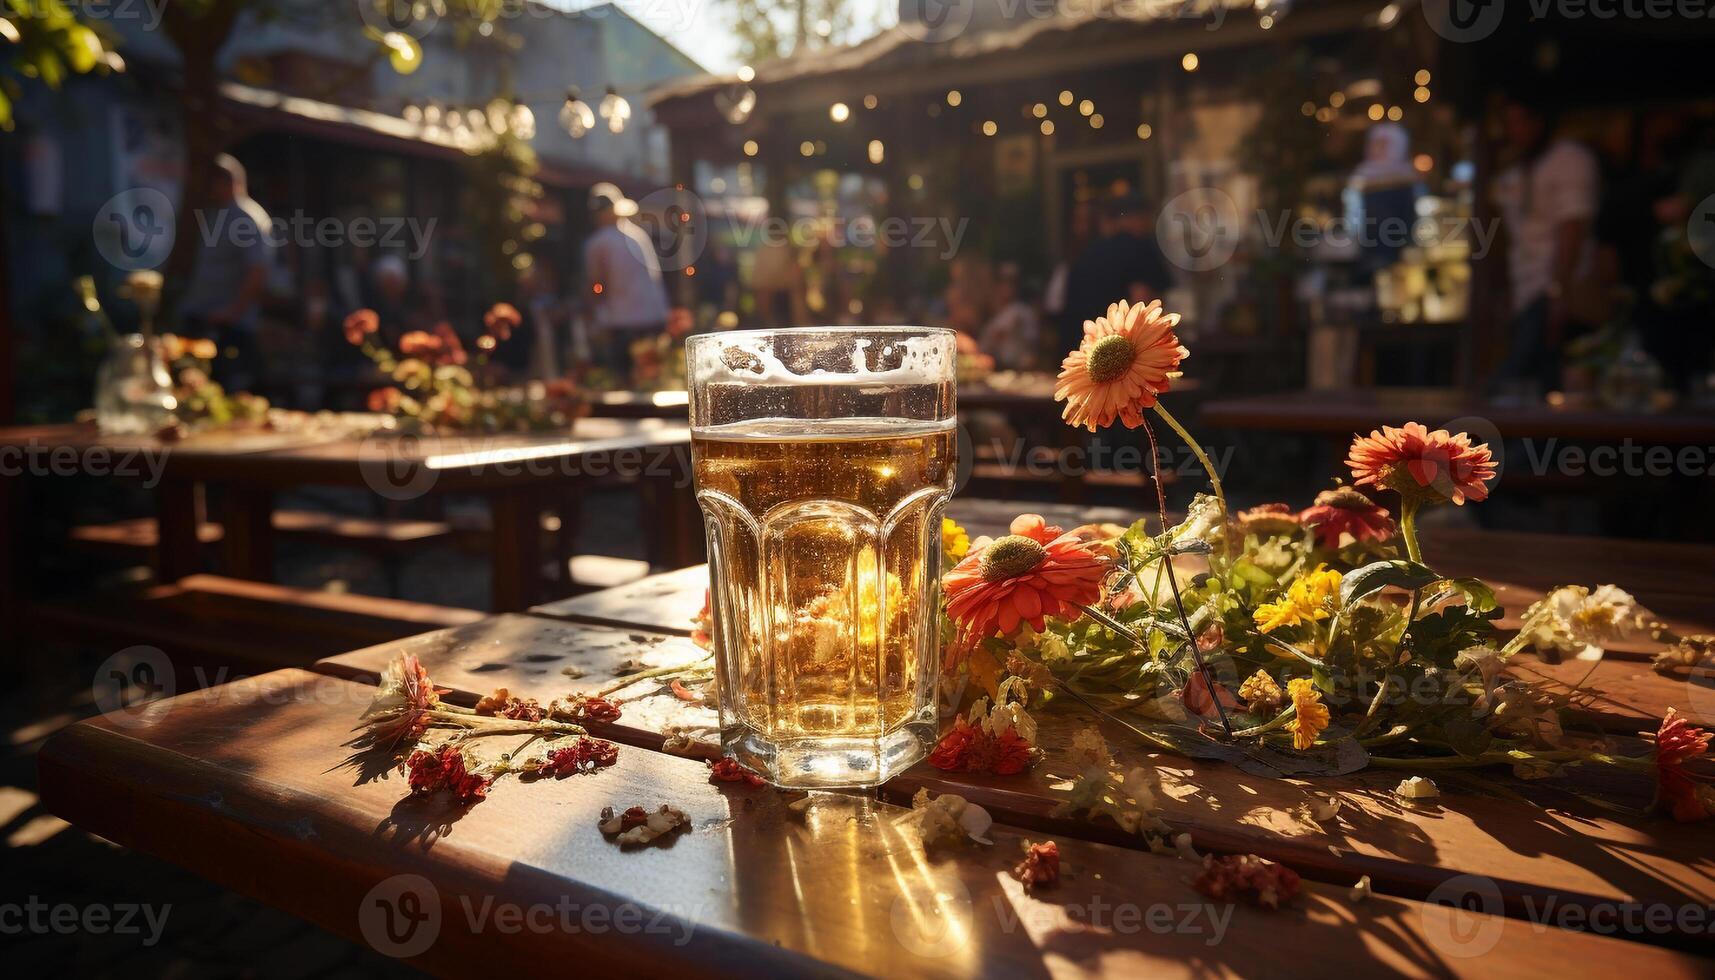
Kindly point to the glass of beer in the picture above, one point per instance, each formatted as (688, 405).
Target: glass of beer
(824, 457)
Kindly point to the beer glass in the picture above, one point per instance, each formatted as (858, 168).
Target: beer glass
(823, 458)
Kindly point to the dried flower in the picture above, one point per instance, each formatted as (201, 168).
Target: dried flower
(1309, 599)
(1310, 714)
(968, 748)
(585, 755)
(726, 769)
(1688, 651)
(1041, 865)
(1262, 693)
(1033, 573)
(1234, 877)
(637, 826)
(1423, 465)
(446, 768)
(1417, 788)
(949, 819)
(502, 704)
(1343, 513)
(1126, 361)
(400, 710)
(1677, 742)
(1268, 520)
(584, 708)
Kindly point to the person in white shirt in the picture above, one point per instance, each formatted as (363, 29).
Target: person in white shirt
(1547, 199)
(628, 299)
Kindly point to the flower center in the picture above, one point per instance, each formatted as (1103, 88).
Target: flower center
(1010, 557)
(1111, 357)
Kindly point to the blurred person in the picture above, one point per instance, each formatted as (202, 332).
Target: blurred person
(777, 282)
(1547, 197)
(1385, 188)
(230, 275)
(537, 353)
(388, 292)
(627, 298)
(1125, 262)
(1012, 335)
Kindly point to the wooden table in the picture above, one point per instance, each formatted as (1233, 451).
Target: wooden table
(516, 474)
(1345, 413)
(243, 783)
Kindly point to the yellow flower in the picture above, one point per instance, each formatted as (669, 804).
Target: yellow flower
(1307, 600)
(954, 541)
(1261, 691)
(1312, 714)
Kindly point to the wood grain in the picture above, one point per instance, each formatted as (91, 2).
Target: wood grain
(244, 784)
(1555, 845)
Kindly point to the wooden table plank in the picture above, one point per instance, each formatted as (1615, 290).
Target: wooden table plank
(1568, 848)
(243, 784)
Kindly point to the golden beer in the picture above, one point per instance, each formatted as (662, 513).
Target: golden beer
(824, 540)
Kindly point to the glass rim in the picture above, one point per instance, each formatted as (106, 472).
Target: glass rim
(831, 330)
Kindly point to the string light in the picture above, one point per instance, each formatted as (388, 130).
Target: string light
(1308, 108)
(750, 148)
(954, 98)
(915, 182)
(1039, 110)
(1395, 114)
(1337, 100)
(1086, 107)
(1424, 163)
(1189, 62)
(1377, 112)
(746, 74)
(989, 127)
(1422, 94)
(877, 152)
(615, 110)
(1048, 127)
(1065, 96)
(839, 112)
(1096, 121)
(1423, 76)
(575, 115)
(807, 148)
(870, 102)
(1145, 131)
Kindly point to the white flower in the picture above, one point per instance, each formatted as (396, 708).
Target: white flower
(1417, 788)
(946, 818)
(1576, 621)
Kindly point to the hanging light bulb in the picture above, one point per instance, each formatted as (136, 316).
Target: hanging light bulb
(522, 121)
(615, 110)
(575, 115)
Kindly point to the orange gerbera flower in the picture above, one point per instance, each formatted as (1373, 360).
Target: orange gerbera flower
(1035, 572)
(359, 325)
(1342, 511)
(1127, 360)
(1677, 742)
(1421, 464)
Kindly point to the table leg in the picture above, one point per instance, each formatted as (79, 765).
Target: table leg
(671, 517)
(178, 514)
(516, 556)
(247, 550)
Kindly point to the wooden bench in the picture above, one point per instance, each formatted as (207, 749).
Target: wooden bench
(242, 625)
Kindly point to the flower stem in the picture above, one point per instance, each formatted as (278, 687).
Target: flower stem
(644, 675)
(1202, 457)
(1408, 529)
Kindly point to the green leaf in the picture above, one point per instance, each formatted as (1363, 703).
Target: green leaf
(1374, 577)
(1479, 598)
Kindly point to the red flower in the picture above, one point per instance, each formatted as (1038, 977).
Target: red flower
(1342, 511)
(501, 319)
(385, 401)
(445, 769)
(1426, 465)
(1677, 742)
(1031, 574)
(502, 704)
(967, 748)
(420, 343)
(359, 325)
(1197, 699)
(584, 755)
(1041, 865)
(1230, 877)
(726, 769)
(587, 707)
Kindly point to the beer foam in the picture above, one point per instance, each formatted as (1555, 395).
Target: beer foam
(926, 356)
